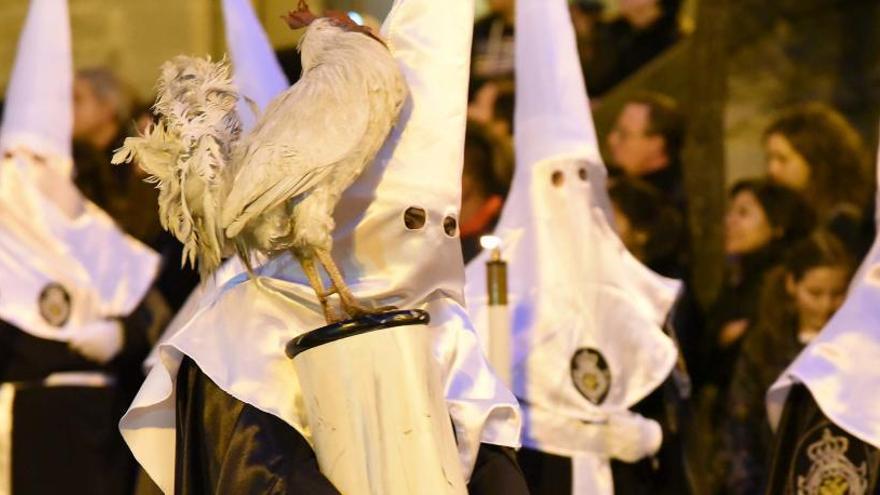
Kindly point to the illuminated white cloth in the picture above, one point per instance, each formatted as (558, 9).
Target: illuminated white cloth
(572, 283)
(258, 74)
(840, 366)
(205, 293)
(105, 272)
(238, 340)
(48, 232)
(39, 99)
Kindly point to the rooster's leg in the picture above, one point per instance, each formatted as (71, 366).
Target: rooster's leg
(350, 304)
(311, 271)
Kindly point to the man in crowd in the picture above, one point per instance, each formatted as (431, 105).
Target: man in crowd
(645, 143)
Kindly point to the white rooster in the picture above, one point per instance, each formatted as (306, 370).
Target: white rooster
(275, 188)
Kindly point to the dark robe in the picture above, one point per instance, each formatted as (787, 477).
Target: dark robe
(745, 434)
(621, 49)
(738, 300)
(663, 473)
(807, 444)
(65, 438)
(227, 446)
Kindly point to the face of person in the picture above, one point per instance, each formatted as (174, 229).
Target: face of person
(784, 164)
(90, 113)
(746, 228)
(633, 239)
(817, 295)
(632, 149)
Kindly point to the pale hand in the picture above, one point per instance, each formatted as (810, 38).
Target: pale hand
(631, 437)
(99, 341)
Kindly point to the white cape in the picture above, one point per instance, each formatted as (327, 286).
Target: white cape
(238, 341)
(104, 272)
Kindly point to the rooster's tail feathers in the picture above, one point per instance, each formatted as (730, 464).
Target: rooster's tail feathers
(188, 154)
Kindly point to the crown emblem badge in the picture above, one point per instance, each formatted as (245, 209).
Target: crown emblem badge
(590, 374)
(831, 472)
(54, 304)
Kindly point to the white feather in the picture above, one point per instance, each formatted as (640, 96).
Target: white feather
(313, 141)
(188, 153)
(276, 187)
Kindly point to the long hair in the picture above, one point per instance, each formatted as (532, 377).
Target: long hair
(834, 151)
(785, 209)
(777, 318)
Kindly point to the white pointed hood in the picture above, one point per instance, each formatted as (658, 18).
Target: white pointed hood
(238, 338)
(257, 72)
(840, 366)
(39, 99)
(419, 166)
(52, 241)
(576, 295)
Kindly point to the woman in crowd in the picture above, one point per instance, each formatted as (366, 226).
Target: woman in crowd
(762, 220)
(815, 151)
(799, 297)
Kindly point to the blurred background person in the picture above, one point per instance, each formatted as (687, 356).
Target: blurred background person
(492, 55)
(812, 149)
(763, 220)
(586, 16)
(642, 30)
(492, 106)
(485, 180)
(798, 298)
(102, 119)
(78, 307)
(106, 111)
(645, 143)
(647, 224)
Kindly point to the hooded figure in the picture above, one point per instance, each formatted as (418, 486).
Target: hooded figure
(587, 317)
(73, 324)
(823, 408)
(224, 412)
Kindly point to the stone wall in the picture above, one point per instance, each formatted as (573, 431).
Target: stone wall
(136, 36)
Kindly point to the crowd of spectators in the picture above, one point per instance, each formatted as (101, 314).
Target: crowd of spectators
(792, 236)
